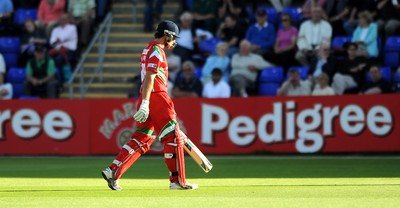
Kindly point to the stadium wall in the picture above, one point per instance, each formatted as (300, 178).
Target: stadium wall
(300, 125)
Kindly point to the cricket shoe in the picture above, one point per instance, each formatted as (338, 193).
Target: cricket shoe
(109, 176)
(177, 186)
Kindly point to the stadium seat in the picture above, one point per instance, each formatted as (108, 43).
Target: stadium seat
(303, 71)
(17, 77)
(268, 89)
(339, 41)
(10, 49)
(271, 75)
(295, 13)
(198, 71)
(391, 55)
(25, 97)
(21, 15)
(209, 45)
(386, 73)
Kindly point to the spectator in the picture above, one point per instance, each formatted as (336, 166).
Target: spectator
(351, 73)
(236, 8)
(6, 21)
(285, 44)
(204, 14)
(186, 83)
(187, 43)
(324, 62)
(389, 17)
(64, 42)
(366, 35)
(40, 72)
(220, 61)
(377, 85)
(217, 87)
(322, 88)
(261, 35)
(280, 4)
(83, 13)
(152, 12)
(294, 86)
(312, 33)
(355, 7)
(6, 90)
(231, 32)
(245, 66)
(49, 13)
(174, 64)
(335, 12)
(308, 5)
(32, 36)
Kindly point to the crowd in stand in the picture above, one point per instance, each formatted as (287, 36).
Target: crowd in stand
(50, 42)
(251, 42)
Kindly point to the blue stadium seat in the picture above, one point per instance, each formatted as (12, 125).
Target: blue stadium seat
(198, 71)
(268, 89)
(272, 14)
(295, 13)
(386, 73)
(271, 74)
(303, 71)
(209, 45)
(21, 15)
(339, 41)
(17, 77)
(391, 55)
(25, 97)
(10, 49)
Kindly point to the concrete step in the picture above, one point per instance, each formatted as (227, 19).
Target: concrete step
(130, 47)
(114, 57)
(127, 8)
(129, 18)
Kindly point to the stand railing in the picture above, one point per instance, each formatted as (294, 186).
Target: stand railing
(102, 40)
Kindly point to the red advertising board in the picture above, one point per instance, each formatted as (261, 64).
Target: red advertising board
(333, 124)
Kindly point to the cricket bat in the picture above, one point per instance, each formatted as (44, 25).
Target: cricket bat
(197, 155)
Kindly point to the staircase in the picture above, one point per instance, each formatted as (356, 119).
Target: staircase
(126, 42)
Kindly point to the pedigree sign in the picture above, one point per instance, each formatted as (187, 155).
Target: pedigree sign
(218, 126)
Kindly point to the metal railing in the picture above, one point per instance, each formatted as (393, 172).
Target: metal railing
(102, 40)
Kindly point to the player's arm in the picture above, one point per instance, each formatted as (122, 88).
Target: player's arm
(147, 86)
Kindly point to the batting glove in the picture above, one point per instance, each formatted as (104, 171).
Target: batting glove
(143, 112)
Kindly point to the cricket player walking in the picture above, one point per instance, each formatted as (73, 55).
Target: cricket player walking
(155, 113)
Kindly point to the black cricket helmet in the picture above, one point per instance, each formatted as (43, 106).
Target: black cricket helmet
(168, 27)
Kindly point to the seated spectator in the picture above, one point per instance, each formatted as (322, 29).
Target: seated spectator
(174, 64)
(83, 13)
(231, 32)
(352, 71)
(366, 35)
(294, 86)
(64, 42)
(32, 36)
(220, 61)
(261, 35)
(236, 8)
(153, 11)
(285, 44)
(324, 62)
(186, 83)
(217, 87)
(336, 13)
(377, 85)
(322, 87)
(6, 21)
(389, 18)
(49, 13)
(308, 5)
(40, 72)
(245, 66)
(356, 7)
(187, 43)
(204, 14)
(6, 91)
(312, 33)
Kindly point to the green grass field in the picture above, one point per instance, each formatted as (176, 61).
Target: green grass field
(237, 181)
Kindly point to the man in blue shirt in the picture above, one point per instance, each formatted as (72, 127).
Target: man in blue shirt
(261, 35)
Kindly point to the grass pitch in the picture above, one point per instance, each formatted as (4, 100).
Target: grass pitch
(238, 181)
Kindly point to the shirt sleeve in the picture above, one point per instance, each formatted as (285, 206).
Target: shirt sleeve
(154, 59)
(29, 69)
(51, 67)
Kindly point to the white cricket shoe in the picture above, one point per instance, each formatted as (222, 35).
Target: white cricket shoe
(109, 176)
(177, 186)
